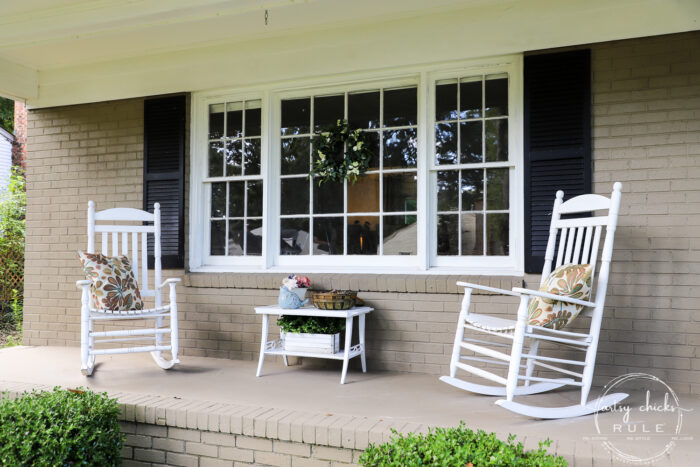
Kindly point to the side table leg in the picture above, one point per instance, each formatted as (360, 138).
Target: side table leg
(362, 343)
(263, 342)
(348, 344)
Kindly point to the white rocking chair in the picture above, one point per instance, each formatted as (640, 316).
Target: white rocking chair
(579, 240)
(88, 336)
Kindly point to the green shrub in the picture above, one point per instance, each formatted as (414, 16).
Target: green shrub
(456, 447)
(12, 233)
(60, 428)
(311, 324)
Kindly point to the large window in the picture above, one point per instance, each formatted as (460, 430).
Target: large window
(442, 192)
(377, 214)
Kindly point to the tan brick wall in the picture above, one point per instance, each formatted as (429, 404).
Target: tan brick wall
(646, 127)
(75, 154)
(646, 134)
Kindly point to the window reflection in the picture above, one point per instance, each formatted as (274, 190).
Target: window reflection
(497, 140)
(234, 158)
(400, 235)
(497, 233)
(400, 148)
(496, 97)
(472, 226)
(447, 190)
(447, 236)
(446, 143)
(400, 107)
(328, 236)
(234, 119)
(363, 235)
(446, 100)
(400, 192)
(216, 121)
(363, 196)
(295, 156)
(296, 116)
(217, 238)
(363, 109)
(328, 110)
(294, 236)
(253, 118)
(216, 159)
(254, 234)
(235, 238)
(470, 98)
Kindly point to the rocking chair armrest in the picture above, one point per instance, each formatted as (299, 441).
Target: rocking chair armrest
(172, 281)
(469, 285)
(82, 283)
(552, 296)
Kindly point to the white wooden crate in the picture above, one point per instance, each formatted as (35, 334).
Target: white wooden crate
(312, 343)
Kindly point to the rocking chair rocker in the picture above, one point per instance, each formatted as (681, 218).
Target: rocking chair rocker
(89, 314)
(579, 239)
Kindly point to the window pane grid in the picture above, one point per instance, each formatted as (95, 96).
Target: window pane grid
(348, 217)
(477, 227)
(461, 120)
(239, 145)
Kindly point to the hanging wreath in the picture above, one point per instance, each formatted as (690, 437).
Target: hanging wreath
(340, 154)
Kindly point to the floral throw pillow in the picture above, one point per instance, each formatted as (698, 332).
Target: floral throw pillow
(568, 280)
(113, 284)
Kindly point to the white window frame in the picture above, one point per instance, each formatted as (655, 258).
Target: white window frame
(426, 260)
(511, 264)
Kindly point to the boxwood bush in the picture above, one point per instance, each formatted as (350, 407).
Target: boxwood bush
(60, 428)
(456, 447)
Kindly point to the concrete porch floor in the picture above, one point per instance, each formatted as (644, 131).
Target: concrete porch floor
(406, 402)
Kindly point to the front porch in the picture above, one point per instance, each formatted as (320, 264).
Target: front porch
(209, 410)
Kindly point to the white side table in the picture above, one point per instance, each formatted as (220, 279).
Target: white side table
(276, 347)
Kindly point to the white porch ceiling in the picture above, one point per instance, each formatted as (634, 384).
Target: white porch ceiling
(56, 52)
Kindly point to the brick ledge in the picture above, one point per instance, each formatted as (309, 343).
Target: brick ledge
(323, 429)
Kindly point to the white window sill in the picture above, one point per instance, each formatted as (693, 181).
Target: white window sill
(300, 269)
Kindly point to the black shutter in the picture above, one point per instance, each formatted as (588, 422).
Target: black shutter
(164, 174)
(557, 141)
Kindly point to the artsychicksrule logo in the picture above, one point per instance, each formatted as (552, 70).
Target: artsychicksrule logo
(643, 428)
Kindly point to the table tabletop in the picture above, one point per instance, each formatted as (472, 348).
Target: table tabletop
(312, 311)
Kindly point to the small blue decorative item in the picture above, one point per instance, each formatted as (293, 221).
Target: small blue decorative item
(289, 300)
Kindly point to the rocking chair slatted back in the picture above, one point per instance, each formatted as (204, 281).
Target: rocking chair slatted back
(136, 249)
(579, 239)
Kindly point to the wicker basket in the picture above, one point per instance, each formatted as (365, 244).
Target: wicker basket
(334, 299)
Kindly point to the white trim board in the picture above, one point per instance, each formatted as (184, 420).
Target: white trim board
(476, 29)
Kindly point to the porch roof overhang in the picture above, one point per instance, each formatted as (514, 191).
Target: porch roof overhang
(62, 52)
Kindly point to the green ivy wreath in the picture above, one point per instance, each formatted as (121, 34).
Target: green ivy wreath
(335, 141)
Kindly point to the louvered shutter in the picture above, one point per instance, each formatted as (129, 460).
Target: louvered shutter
(557, 141)
(164, 173)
